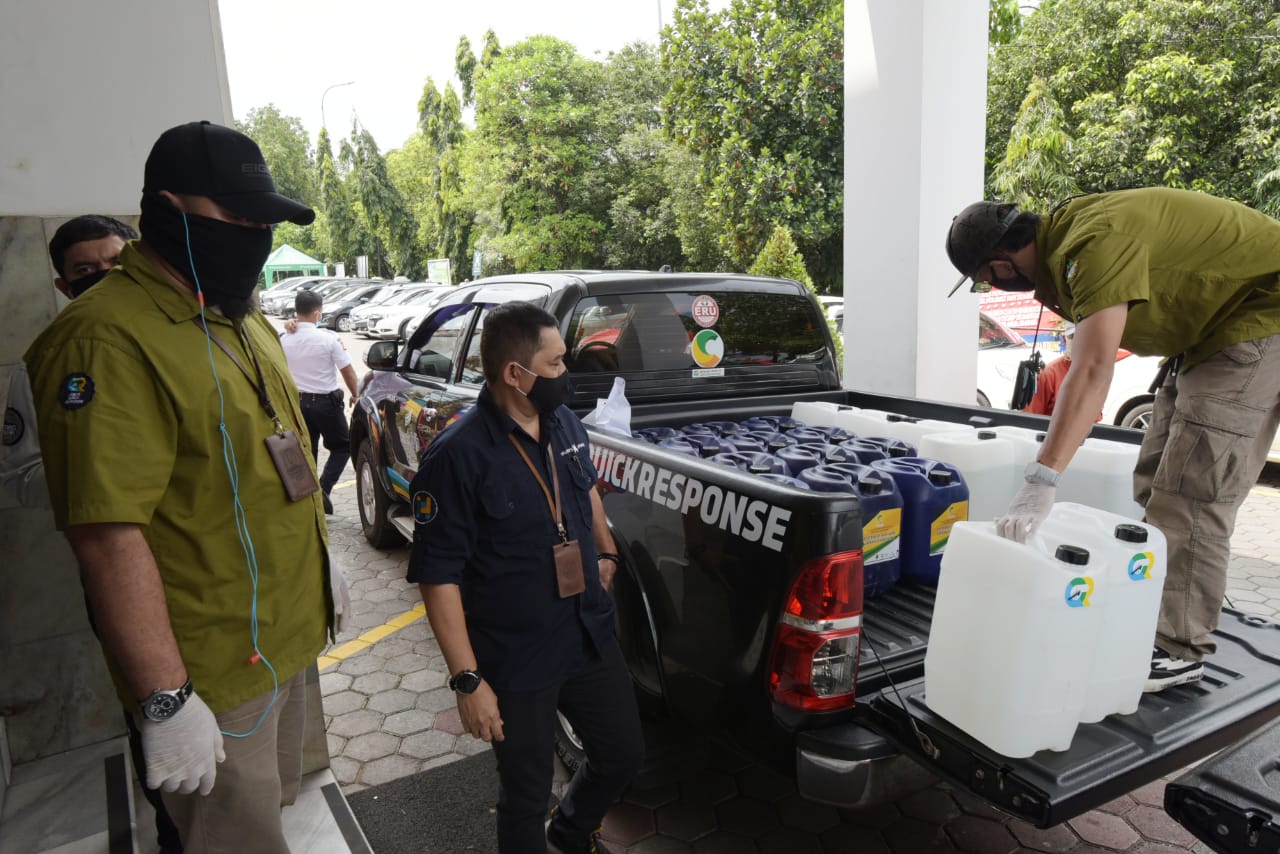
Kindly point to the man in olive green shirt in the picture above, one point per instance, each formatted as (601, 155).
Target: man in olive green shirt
(204, 566)
(1161, 272)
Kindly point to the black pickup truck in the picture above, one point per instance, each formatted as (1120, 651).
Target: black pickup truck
(720, 602)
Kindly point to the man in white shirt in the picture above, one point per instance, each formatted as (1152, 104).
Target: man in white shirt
(316, 357)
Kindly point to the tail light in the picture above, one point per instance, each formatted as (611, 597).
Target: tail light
(815, 655)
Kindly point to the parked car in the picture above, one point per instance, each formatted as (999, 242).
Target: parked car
(337, 308)
(281, 293)
(360, 316)
(332, 289)
(393, 324)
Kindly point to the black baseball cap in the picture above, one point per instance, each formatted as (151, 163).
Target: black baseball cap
(973, 236)
(204, 159)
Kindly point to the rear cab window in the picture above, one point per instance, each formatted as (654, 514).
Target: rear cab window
(659, 331)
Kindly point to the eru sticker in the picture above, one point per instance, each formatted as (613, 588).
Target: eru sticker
(425, 507)
(76, 391)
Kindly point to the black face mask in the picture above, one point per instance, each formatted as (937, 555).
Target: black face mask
(548, 393)
(1016, 282)
(228, 257)
(83, 283)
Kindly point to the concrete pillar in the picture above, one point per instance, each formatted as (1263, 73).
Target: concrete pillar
(85, 88)
(915, 125)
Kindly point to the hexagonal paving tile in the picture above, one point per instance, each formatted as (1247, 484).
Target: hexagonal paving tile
(708, 786)
(628, 824)
(449, 721)
(361, 663)
(1155, 823)
(933, 805)
(722, 842)
(425, 680)
(764, 783)
(344, 769)
(916, 836)
(686, 820)
(1050, 840)
(333, 681)
(388, 768)
(342, 702)
(470, 746)
(390, 647)
(652, 797)
(980, 835)
(372, 683)
(409, 722)
(390, 702)
(803, 814)
(355, 723)
(848, 839)
(427, 745)
(371, 746)
(789, 840)
(437, 700)
(746, 816)
(408, 662)
(661, 845)
(1100, 828)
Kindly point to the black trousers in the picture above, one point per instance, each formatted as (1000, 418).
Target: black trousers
(325, 416)
(599, 701)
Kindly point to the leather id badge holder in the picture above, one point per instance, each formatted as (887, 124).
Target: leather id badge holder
(569, 578)
(291, 463)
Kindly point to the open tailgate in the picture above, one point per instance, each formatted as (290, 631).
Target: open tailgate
(1232, 801)
(1240, 692)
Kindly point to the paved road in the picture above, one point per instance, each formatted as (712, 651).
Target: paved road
(389, 714)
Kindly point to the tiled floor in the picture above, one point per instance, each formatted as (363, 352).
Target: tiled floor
(389, 714)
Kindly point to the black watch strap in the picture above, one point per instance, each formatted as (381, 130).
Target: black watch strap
(465, 681)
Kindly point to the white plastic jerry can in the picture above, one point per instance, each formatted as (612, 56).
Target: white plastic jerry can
(1101, 475)
(987, 462)
(820, 413)
(1129, 566)
(1013, 639)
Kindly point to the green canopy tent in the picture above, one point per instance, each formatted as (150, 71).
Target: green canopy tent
(287, 261)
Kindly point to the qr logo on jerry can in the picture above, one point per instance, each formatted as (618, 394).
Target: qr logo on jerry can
(1079, 592)
(1140, 566)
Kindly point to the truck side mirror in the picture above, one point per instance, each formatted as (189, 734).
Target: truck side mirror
(382, 356)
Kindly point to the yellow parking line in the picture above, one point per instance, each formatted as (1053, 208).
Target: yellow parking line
(1265, 490)
(346, 484)
(336, 655)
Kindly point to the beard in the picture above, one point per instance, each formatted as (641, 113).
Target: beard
(1016, 282)
(234, 308)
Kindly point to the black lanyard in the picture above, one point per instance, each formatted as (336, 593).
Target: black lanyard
(260, 385)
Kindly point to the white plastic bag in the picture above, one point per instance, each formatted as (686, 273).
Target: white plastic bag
(614, 412)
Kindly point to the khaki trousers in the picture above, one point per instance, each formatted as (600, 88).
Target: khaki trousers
(260, 775)
(1209, 437)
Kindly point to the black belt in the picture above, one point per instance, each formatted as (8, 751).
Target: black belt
(310, 395)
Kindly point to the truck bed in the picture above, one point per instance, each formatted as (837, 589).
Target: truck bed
(1239, 693)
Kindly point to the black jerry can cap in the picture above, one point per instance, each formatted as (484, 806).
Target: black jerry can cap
(1131, 533)
(988, 434)
(870, 484)
(1073, 555)
(942, 477)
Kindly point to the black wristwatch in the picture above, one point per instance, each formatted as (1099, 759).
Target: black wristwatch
(466, 682)
(163, 705)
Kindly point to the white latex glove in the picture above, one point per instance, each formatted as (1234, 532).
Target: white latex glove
(341, 597)
(1028, 509)
(183, 752)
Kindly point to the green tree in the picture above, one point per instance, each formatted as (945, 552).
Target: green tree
(345, 235)
(536, 126)
(287, 149)
(780, 259)
(757, 94)
(1152, 92)
(1036, 171)
(1004, 21)
(383, 210)
(464, 63)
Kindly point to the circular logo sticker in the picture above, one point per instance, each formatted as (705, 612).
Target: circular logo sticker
(76, 391)
(424, 507)
(705, 311)
(14, 426)
(708, 348)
